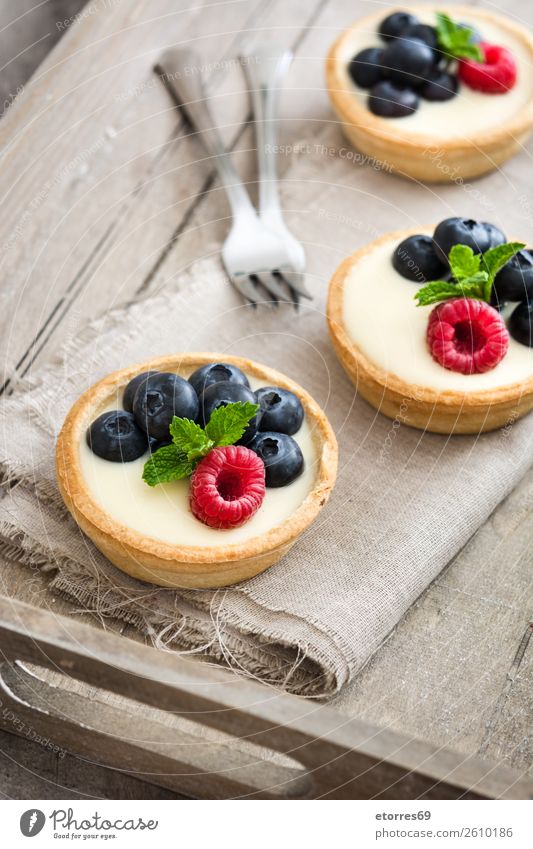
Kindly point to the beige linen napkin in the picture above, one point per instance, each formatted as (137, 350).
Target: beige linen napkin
(404, 503)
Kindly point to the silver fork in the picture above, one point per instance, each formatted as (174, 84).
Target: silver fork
(251, 253)
(266, 65)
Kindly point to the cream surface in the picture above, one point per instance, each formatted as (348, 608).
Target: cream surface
(470, 111)
(162, 512)
(381, 316)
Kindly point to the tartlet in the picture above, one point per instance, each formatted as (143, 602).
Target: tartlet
(158, 562)
(437, 409)
(424, 155)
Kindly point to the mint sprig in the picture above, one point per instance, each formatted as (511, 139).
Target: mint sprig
(190, 442)
(456, 40)
(473, 274)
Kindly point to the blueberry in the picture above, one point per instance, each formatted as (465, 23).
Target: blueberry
(408, 61)
(514, 282)
(282, 410)
(424, 32)
(415, 258)
(281, 455)
(521, 324)
(216, 373)
(116, 436)
(391, 101)
(131, 389)
(159, 398)
(219, 395)
(460, 231)
(496, 236)
(393, 26)
(365, 68)
(439, 86)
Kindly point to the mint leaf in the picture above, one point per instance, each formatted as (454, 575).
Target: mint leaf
(475, 284)
(435, 292)
(473, 287)
(445, 28)
(463, 261)
(166, 464)
(495, 258)
(189, 438)
(227, 424)
(455, 40)
(439, 290)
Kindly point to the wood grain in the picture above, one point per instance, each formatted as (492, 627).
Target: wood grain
(129, 154)
(319, 753)
(28, 31)
(459, 664)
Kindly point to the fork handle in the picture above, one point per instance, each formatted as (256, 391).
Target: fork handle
(266, 68)
(180, 68)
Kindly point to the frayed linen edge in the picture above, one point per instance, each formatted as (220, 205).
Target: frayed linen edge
(302, 673)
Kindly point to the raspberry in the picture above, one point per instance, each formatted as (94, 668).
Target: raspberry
(467, 336)
(496, 75)
(227, 487)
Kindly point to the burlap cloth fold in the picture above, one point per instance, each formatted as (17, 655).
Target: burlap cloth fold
(405, 502)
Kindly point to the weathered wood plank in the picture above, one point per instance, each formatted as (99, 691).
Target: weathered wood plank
(343, 759)
(509, 732)
(28, 31)
(182, 755)
(458, 666)
(81, 126)
(157, 213)
(31, 771)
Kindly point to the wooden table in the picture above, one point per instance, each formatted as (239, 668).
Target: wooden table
(105, 200)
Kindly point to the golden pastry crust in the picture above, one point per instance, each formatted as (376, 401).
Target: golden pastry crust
(186, 566)
(409, 154)
(418, 406)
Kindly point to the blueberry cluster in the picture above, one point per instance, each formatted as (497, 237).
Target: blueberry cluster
(152, 399)
(424, 258)
(149, 402)
(281, 415)
(410, 66)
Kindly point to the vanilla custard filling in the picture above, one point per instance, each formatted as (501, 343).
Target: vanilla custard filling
(381, 317)
(162, 512)
(469, 112)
